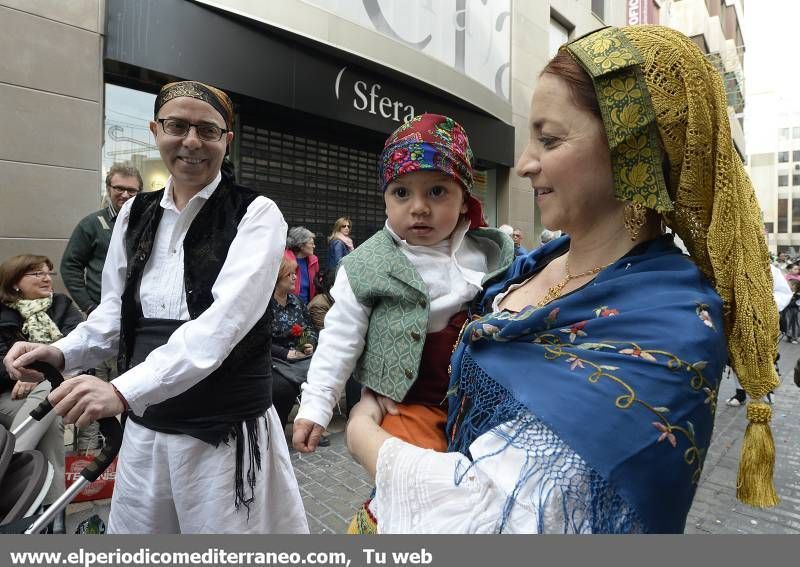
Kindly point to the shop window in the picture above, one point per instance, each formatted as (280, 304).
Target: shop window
(127, 138)
(783, 157)
(796, 155)
(783, 180)
(769, 227)
(795, 180)
(783, 215)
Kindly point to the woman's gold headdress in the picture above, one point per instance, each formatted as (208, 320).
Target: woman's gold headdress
(659, 95)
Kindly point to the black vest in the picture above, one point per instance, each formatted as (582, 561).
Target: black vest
(240, 389)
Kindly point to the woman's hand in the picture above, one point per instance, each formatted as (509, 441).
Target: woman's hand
(294, 354)
(22, 354)
(363, 435)
(22, 389)
(308, 349)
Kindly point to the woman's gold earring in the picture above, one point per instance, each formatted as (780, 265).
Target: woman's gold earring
(635, 217)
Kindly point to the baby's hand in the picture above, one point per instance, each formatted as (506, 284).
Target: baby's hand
(388, 405)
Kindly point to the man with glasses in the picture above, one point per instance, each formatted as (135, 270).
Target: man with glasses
(82, 263)
(186, 285)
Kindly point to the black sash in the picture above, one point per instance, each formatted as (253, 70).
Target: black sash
(213, 409)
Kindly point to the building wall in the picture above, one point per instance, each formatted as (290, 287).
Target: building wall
(51, 89)
(51, 99)
(529, 54)
(715, 26)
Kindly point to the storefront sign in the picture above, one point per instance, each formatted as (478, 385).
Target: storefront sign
(637, 12)
(367, 98)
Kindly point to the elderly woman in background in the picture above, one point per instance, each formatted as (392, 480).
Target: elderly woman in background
(583, 398)
(300, 250)
(340, 243)
(548, 235)
(30, 311)
(293, 341)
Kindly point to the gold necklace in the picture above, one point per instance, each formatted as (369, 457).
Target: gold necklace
(555, 291)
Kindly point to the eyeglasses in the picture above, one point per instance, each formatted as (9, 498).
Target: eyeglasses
(180, 128)
(41, 275)
(122, 189)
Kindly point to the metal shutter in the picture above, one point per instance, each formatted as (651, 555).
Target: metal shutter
(314, 182)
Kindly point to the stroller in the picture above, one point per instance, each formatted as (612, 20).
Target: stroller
(25, 477)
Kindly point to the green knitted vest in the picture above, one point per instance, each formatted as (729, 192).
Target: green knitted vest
(383, 279)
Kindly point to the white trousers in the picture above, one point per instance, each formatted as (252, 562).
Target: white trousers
(170, 483)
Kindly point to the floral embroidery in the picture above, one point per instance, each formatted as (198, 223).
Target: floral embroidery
(605, 311)
(614, 65)
(638, 353)
(575, 362)
(635, 146)
(575, 331)
(629, 117)
(555, 349)
(666, 433)
(602, 43)
(620, 89)
(550, 320)
(427, 141)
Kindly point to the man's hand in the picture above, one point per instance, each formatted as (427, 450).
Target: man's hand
(306, 435)
(22, 354)
(22, 389)
(85, 399)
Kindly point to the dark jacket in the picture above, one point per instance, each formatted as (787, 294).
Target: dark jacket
(336, 251)
(63, 313)
(283, 319)
(82, 263)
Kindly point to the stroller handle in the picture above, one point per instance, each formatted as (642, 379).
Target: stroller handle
(109, 426)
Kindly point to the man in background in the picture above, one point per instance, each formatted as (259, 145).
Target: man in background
(82, 263)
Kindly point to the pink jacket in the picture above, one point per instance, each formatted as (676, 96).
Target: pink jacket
(313, 270)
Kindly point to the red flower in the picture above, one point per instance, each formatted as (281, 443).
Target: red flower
(296, 330)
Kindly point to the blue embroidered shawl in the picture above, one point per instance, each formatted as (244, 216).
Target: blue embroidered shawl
(625, 371)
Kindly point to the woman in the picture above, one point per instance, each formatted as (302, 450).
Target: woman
(583, 399)
(293, 341)
(300, 249)
(340, 244)
(30, 311)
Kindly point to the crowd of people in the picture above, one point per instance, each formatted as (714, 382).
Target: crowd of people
(570, 388)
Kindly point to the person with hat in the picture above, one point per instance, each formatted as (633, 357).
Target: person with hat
(184, 283)
(583, 394)
(400, 297)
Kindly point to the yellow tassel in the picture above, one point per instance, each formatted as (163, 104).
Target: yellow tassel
(757, 463)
